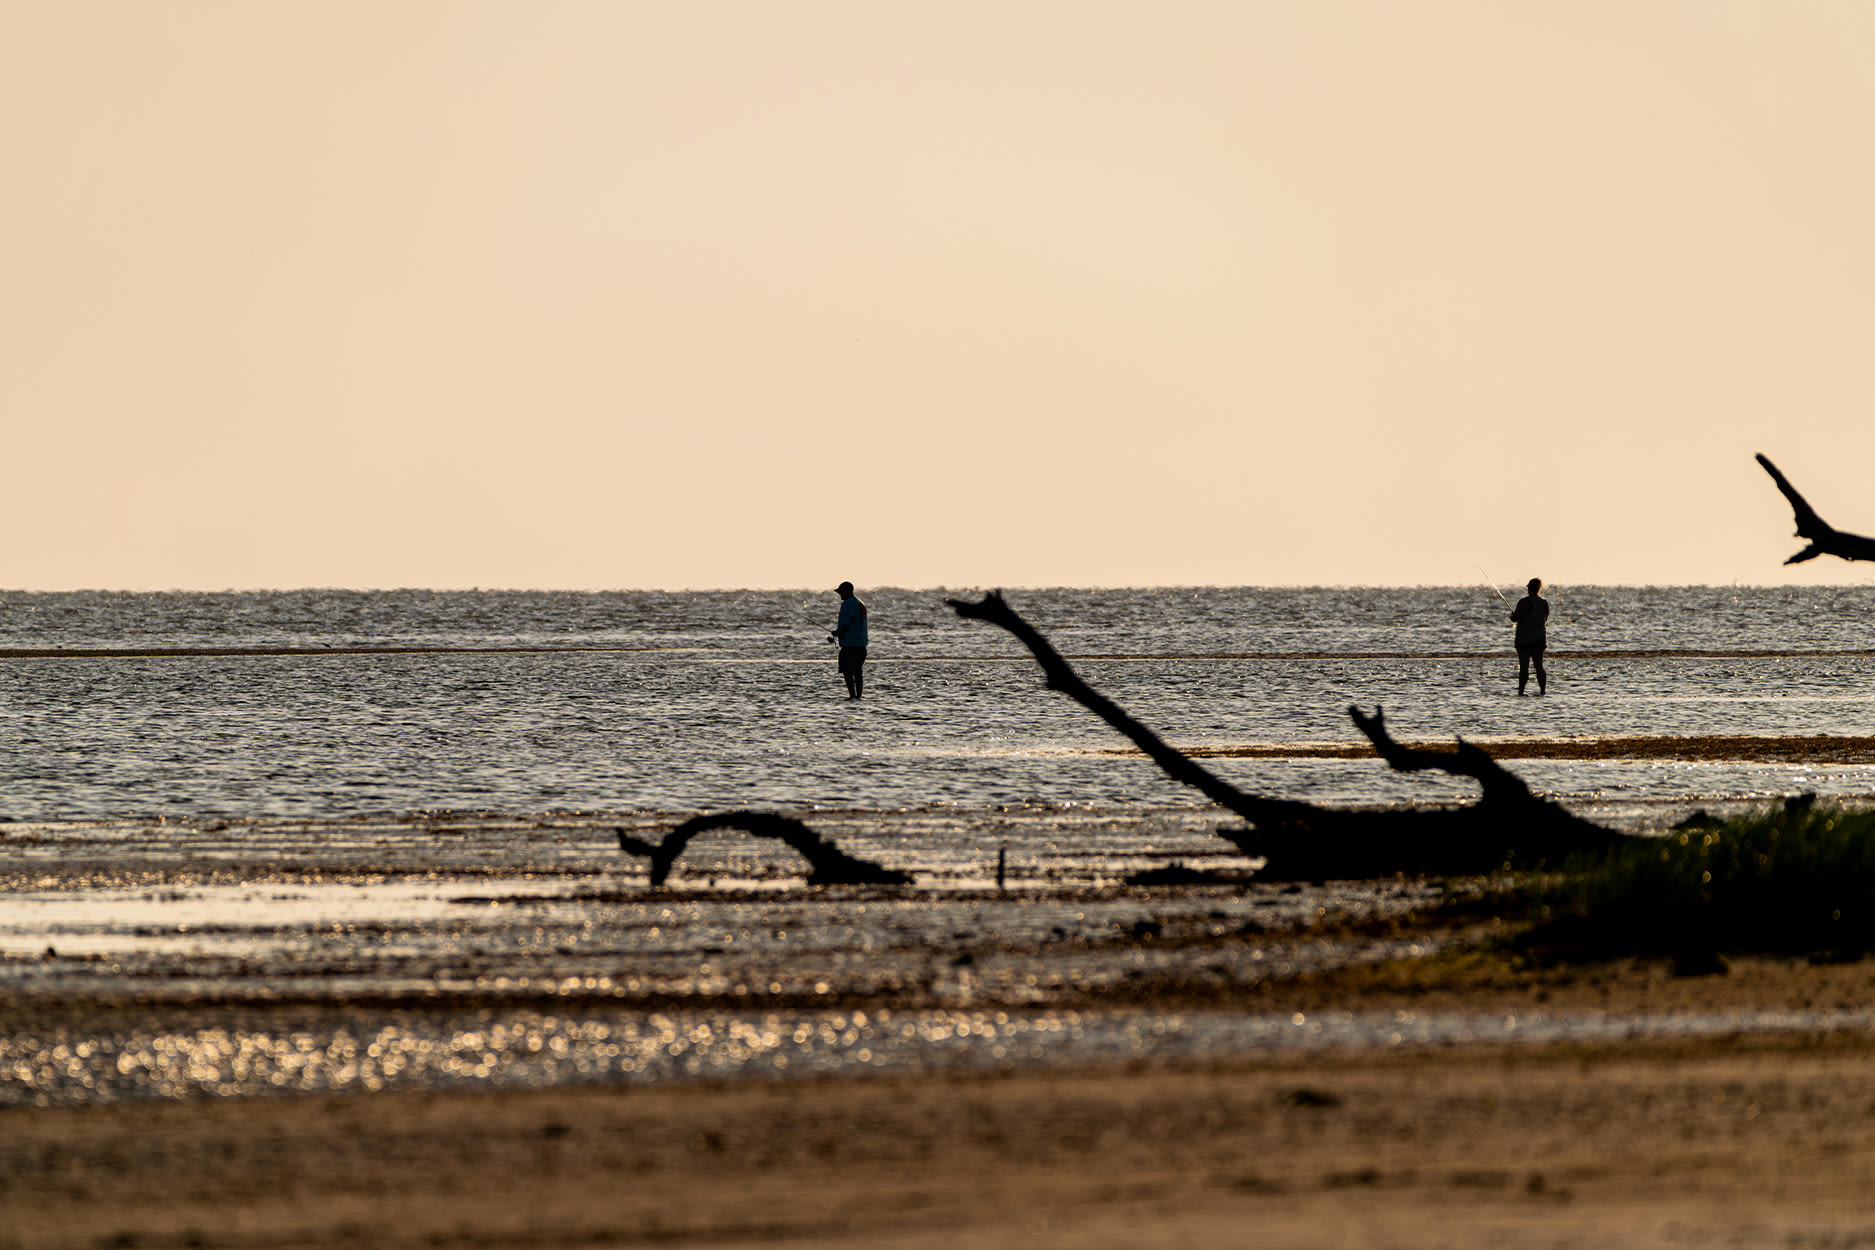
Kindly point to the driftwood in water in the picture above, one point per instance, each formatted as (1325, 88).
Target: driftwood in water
(1059, 676)
(1301, 841)
(827, 863)
(1824, 539)
(1498, 783)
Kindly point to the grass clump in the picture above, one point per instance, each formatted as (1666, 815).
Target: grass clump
(1793, 880)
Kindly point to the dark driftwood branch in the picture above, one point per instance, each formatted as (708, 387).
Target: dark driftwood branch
(1300, 841)
(1060, 676)
(1824, 539)
(827, 863)
(1499, 784)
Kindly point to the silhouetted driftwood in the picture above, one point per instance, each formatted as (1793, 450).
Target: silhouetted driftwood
(1061, 677)
(1824, 539)
(1301, 841)
(827, 863)
(1499, 784)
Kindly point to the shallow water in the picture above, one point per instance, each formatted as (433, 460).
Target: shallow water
(284, 823)
(706, 701)
(531, 1049)
(356, 734)
(180, 959)
(145, 960)
(1425, 620)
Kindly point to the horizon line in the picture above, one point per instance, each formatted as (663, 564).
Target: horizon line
(895, 587)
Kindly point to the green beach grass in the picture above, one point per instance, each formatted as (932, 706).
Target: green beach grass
(1792, 880)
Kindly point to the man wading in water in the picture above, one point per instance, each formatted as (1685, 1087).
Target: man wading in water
(850, 633)
(1531, 612)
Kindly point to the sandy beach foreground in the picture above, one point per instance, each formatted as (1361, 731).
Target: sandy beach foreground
(140, 948)
(1740, 1140)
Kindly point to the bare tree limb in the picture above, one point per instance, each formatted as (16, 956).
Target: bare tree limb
(1301, 841)
(1824, 539)
(1499, 784)
(1061, 677)
(827, 863)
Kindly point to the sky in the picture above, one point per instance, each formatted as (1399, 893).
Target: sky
(694, 294)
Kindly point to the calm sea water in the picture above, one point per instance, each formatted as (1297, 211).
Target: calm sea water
(239, 799)
(333, 703)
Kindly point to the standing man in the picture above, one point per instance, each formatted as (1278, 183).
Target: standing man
(1531, 613)
(850, 633)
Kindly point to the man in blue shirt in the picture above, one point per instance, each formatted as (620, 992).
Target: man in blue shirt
(850, 633)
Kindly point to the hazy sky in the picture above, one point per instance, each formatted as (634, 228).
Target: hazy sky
(773, 294)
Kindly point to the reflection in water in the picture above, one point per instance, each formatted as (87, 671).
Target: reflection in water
(318, 737)
(633, 701)
(212, 832)
(424, 954)
(529, 1049)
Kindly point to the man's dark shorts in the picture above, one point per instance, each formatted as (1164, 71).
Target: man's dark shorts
(851, 658)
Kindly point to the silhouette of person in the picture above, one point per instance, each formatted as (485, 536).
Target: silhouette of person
(850, 633)
(1531, 614)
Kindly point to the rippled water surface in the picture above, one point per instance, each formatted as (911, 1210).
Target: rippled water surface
(323, 703)
(279, 825)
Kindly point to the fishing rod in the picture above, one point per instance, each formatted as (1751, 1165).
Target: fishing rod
(1493, 585)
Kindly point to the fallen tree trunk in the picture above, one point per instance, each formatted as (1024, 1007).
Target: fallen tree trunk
(1507, 827)
(1824, 539)
(827, 863)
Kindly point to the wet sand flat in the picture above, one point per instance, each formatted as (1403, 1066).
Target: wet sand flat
(1766, 1141)
(1740, 1135)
